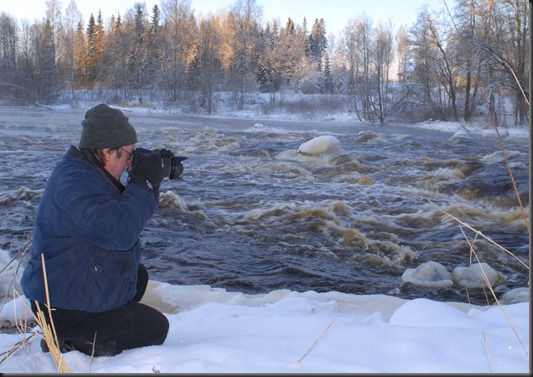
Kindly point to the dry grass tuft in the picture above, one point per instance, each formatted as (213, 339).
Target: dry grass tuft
(49, 332)
(49, 335)
(50, 338)
(22, 329)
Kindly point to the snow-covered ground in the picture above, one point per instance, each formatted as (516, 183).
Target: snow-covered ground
(215, 331)
(482, 126)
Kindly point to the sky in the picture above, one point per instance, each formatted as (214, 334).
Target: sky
(336, 13)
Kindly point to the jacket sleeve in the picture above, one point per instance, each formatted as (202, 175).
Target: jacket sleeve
(96, 212)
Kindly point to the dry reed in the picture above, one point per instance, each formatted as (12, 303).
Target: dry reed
(478, 233)
(485, 277)
(49, 332)
(22, 329)
(316, 341)
(21, 251)
(495, 124)
(489, 356)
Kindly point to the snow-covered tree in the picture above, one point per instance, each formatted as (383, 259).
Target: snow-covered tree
(178, 42)
(243, 22)
(317, 43)
(67, 56)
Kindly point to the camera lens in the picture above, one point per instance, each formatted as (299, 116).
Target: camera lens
(172, 167)
(176, 168)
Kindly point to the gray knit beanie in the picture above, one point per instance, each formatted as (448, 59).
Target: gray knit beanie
(106, 127)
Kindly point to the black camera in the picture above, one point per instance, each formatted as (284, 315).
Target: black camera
(172, 167)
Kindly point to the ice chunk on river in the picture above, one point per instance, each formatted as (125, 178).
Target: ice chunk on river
(473, 276)
(321, 146)
(429, 274)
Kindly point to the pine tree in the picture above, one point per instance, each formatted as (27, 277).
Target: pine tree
(328, 77)
(114, 61)
(317, 43)
(99, 41)
(137, 56)
(269, 61)
(153, 48)
(80, 50)
(90, 65)
(291, 47)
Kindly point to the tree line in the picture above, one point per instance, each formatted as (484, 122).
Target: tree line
(447, 65)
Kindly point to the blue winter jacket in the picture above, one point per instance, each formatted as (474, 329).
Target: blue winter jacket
(88, 232)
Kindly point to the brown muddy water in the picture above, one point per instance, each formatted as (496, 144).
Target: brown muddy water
(250, 214)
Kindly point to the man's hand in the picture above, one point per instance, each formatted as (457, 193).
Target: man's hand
(166, 153)
(148, 169)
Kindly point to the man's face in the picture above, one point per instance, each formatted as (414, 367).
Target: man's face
(118, 159)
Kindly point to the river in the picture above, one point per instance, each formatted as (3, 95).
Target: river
(250, 214)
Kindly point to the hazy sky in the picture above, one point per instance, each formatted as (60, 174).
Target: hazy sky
(336, 13)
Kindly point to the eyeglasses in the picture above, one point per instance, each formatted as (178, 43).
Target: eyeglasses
(130, 155)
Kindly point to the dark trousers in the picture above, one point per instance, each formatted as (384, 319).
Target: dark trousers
(109, 333)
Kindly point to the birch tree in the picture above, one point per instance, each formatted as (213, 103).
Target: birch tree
(208, 60)
(381, 56)
(178, 43)
(9, 86)
(427, 65)
(358, 50)
(68, 57)
(243, 21)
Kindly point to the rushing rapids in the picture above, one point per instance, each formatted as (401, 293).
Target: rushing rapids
(324, 206)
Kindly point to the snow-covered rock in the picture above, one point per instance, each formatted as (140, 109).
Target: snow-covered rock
(429, 274)
(321, 146)
(473, 276)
